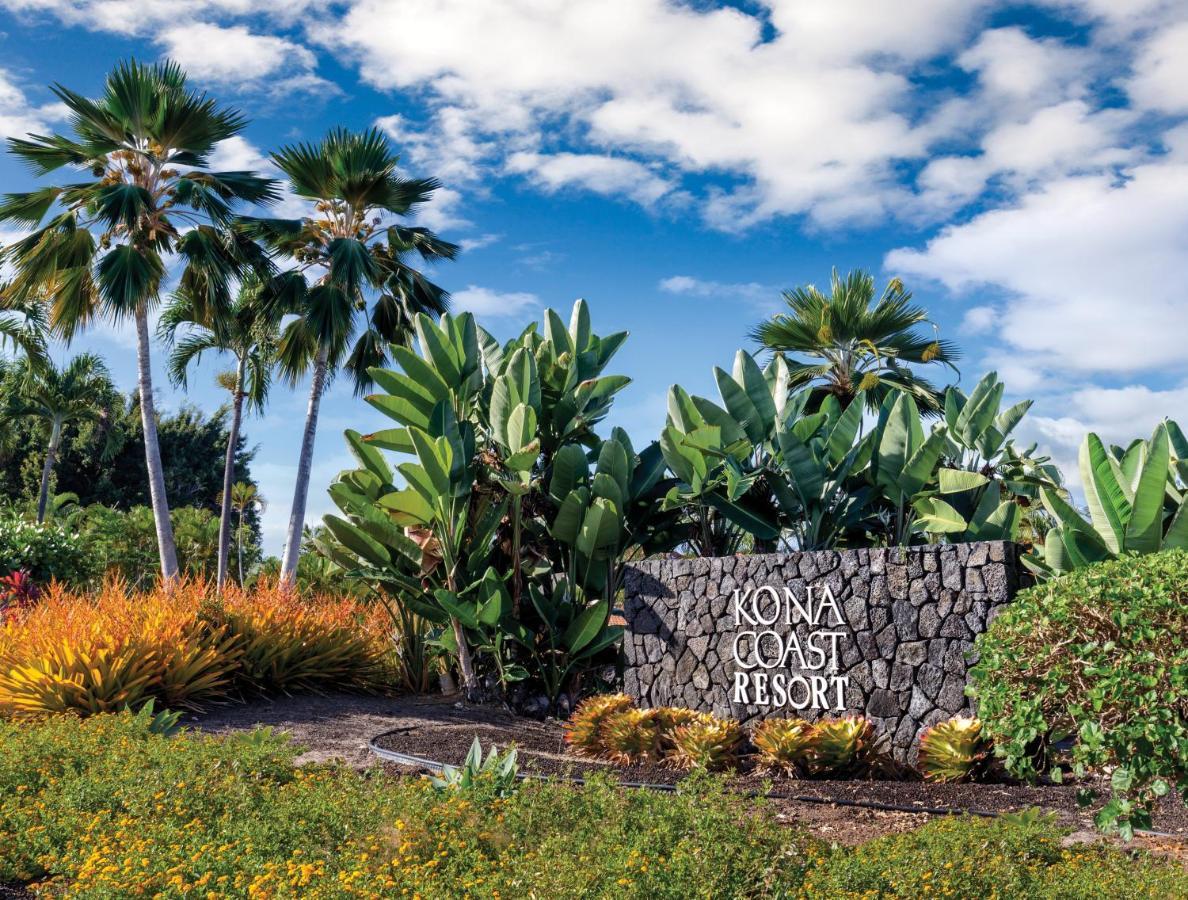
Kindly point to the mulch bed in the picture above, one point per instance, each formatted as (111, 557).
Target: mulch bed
(541, 751)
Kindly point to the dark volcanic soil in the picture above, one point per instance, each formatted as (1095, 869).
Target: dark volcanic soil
(441, 730)
(542, 751)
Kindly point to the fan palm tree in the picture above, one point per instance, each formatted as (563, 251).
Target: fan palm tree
(146, 197)
(355, 289)
(244, 496)
(24, 326)
(245, 329)
(58, 397)
(858, 347)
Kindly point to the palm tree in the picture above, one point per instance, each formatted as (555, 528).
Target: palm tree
(246, 330)
(24, 325)
(354, 290)
(58, 397)
(244, 496)
(146, 195)
(860, 347)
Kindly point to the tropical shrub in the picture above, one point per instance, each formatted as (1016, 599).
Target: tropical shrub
(1097, 658)
(45, 552)
(1136, 498)
(99, 653)
(105, 808)
(962, 856)
(953, 750)
(506, 486)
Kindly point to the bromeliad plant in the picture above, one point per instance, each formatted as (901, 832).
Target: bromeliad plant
(506, 475)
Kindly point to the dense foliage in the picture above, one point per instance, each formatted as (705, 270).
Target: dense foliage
(67, 653)
(515, 514)
(102, 460)
(1099, 658)
(45, 551)
(106, 807)
(764, 466)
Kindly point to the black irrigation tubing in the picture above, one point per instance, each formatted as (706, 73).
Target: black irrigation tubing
(407, 759)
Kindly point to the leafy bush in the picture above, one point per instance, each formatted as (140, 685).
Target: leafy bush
(46, 551)
(113, 649)
(967, 858)
(104, 808)
(1098, 657)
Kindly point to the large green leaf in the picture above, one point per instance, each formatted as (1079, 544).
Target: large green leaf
(954, 481)
(750, 376)
(570, 469)
(368, 455)
(601, 528)
(1108, 507)
(1144, 530)
(740, 406)
(937, 517)
(586, 626)
(355, 540)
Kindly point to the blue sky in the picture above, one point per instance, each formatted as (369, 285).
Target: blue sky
(1023, 167)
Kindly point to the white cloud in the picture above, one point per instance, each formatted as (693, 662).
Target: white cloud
(232, 54)
(238, 154)
(813, 121)
(1160, 79)
(18, 116)
(978, 319)
(479, 242)
(761, 296)
(139, 17)
(609, 175)
(488, 303)
(1091, 268)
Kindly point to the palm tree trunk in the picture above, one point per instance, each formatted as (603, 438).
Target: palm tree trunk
(239, 546)
(229, 476)
(288, 572)
(51, 454)
(152, 450)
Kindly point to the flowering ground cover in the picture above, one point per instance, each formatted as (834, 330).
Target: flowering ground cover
(106, 807)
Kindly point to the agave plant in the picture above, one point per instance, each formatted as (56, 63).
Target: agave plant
(1136, 498)
(500, 769)
(785, 745)
(709, 744)
(583, 731)
(953, 750)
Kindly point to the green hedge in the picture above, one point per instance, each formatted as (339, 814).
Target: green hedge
(1097, 659)
(104, 808)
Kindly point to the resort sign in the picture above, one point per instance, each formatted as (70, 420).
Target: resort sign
(780, 668)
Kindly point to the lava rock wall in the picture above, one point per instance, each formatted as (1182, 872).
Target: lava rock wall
(892, 642)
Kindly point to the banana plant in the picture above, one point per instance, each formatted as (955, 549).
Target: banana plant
(904, 461)
(494, 432)
(1137, 500)
(984, 483)
(720, 454)
(819, 457)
